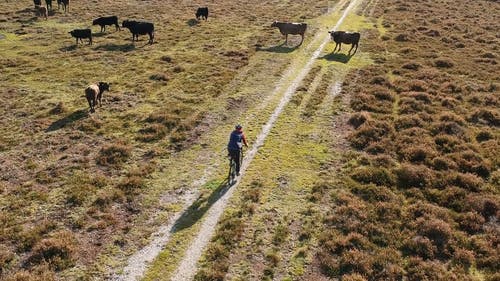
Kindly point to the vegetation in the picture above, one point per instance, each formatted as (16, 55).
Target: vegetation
(394, 177)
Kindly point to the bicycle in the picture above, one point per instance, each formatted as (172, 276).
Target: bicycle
(232, 167)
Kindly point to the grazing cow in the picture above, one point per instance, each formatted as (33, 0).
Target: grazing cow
(103, 21)
(290, 28)
(48, 3)
(140, 28)
(93, 93)
(64, 3)
(37, 3)
(82, 33)
(41, 11)
(340, 37)
(202, 13)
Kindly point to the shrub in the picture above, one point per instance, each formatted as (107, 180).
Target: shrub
(447, 143)
(406, 122)
(370, 132)
(114, 154)
(30, 236)
(355, 261)
(57, 251)
(402, 38)
(484, 136)
(420, 246)
(359, 118)
(418, 86)
(281, 232)
(417, 269)
(378, 176)
(58, 109)
(467, 181)
(152, 132)
(382, 93)
(453, 197)
(353, 277)
(485, 116)
(131, 184)
(418, 154)
(6, 256)
(472, 162)
(438, 231)
(487, 206)
(449, 128)
(463, 258)
(411, 66)
(159, 77)
(443, 163)
(444, 63)
(414, 176)
(38, 273)
(451, 117)
(471, 222)
(383, 160)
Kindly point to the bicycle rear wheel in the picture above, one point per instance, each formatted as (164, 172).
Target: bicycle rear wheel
(232, 171)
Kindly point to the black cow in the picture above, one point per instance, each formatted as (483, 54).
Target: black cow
(340, 37)
(291, 28)
(140, 28)
(49, 4)
(103, 21)
(82, 33)
(202, 12)
(64, 3)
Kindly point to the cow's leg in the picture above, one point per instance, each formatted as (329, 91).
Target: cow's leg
(99, 98)
(302, 39)
(340, 46)
(352, 46)
(336, 44)
(355, 49)
(89, 100)
(286, 39)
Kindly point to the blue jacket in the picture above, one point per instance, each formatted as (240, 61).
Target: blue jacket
(236, 140)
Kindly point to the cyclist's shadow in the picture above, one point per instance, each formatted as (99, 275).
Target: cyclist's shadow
(194, 213)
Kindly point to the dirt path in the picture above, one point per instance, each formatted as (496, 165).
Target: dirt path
(187, 268)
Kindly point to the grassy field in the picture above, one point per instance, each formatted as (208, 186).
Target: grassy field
(415, 196)
(80, 188)
(384, 165)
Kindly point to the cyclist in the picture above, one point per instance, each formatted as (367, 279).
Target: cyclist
(236, 141)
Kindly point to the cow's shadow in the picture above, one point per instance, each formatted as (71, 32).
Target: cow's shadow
(343, 58)
(75, 116)
(111, 47)
(282, 48)
(68, 48)
(99, 34)
(192, 22)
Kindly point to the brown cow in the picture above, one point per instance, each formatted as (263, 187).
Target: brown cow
(93, 93)
(290, 28)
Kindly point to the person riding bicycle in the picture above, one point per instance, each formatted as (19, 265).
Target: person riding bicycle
(236, 141)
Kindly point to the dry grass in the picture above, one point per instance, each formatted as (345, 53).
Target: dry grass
(431, 199)
(160, 99)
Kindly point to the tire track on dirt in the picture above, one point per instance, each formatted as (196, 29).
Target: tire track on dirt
(188, 266)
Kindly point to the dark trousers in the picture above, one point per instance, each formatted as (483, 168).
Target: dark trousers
(235, 155)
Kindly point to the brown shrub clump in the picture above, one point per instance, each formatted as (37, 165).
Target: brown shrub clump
(58, 251)
(414, 176)
(114, 154)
